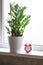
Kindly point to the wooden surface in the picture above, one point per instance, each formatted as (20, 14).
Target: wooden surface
(14, 60)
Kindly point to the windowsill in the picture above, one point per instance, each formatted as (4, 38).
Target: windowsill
(37, 51)
(32, 54)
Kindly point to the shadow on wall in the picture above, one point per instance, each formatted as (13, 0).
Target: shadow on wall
(0, 20)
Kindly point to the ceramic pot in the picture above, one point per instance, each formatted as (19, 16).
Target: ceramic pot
(15, 43)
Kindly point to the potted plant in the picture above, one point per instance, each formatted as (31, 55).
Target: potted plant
(17, 23)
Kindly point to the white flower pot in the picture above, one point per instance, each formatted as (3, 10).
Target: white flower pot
(15, 43)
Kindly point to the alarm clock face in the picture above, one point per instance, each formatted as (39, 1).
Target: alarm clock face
(27, 48)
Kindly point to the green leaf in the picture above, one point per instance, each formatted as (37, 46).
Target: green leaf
(8, 30)
(20, 14)
(17, 20)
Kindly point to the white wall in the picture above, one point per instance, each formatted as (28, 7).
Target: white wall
(34, 31)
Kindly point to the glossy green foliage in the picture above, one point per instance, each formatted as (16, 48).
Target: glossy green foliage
(17, 20)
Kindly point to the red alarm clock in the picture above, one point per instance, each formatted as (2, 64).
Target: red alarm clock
(28, 48)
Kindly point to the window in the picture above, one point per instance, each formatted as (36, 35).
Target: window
(34, 31)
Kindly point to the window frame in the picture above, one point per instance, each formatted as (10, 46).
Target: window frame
(0, 21)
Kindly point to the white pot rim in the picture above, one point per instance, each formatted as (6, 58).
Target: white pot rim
(15, 36)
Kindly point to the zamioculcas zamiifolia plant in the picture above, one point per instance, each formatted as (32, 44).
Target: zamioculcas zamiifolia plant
(17, 20)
